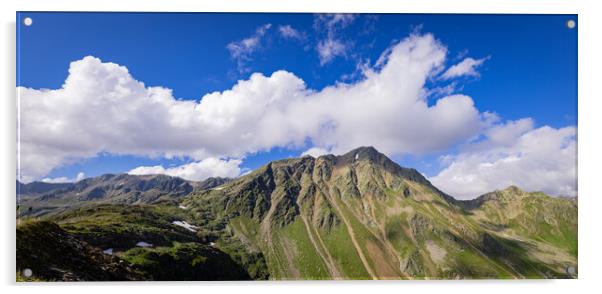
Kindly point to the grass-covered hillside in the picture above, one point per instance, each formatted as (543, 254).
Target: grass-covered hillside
(355, 216)
(140, 241)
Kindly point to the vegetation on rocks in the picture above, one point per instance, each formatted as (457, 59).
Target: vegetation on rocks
(354, 216)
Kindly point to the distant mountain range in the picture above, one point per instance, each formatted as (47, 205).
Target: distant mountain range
(355, 216)
(41, 198)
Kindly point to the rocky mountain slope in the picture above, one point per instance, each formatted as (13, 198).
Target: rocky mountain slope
(361, 216)
(38, 198)
(354, 216)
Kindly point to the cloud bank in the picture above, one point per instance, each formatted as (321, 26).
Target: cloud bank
(80, 176)
(102, 108)
(315, 152)
(514, 153)
(195, 171)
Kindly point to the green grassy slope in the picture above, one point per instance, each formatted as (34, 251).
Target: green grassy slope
(82, 234)
(52, 254)
(355, 216)
(362, 218)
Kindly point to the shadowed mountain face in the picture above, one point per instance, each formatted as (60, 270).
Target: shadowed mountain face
(55, 254)
(354, 216)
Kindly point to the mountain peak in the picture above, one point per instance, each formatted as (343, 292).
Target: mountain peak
(513, 190)
(511, 193)
(368, 152)
(364, 153)
(365, 149)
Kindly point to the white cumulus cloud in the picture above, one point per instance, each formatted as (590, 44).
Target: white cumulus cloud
(102, 108)
(514, 153)
(80, 176)
(315, 152)
(466, 67)
(195, 171)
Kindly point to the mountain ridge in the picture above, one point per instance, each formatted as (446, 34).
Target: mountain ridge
(39, 198)
(354, 216)
(361, 196)
(364, 152)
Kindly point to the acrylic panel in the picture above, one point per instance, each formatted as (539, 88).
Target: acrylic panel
(279, 146)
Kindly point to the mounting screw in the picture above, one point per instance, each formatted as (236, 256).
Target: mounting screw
(570, 24)
(27, 273)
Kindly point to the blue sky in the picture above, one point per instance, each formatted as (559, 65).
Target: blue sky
(528, 70)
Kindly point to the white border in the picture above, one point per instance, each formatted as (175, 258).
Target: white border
(589, 141)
